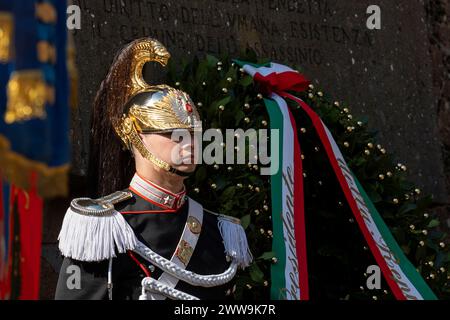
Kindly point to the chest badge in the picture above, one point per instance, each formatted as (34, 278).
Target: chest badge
(194, 225)
(184, 252)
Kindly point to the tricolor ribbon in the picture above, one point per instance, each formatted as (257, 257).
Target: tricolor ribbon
(289, 275)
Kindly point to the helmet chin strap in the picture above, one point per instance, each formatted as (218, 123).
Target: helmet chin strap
(180, 173)
(136, 140)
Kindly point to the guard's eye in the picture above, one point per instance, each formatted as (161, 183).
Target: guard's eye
(166, 134)
(178, 135)
(181, 133)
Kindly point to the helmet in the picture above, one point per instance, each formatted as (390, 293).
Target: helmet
(152, 108)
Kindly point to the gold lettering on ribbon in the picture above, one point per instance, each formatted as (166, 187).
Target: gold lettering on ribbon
(354, 190)
(288, 225)
(392, 263)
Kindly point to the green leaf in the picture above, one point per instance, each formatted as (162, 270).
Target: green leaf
(246, 81)
(239, 116)
(406, 249)
(433, 223)
(407, 207)
(407, 185)
(375, 197)
(223, 101)
(212, 110)
(228, 193)
(220, 183)
(212, 61)
(202, 71)
(245, 221)
(200, 175)
(267, 255)
(255, 273)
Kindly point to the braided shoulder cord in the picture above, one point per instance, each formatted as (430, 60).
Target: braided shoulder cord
(185, 275)
(153, 285)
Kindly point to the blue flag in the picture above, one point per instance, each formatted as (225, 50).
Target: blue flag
(34, 95)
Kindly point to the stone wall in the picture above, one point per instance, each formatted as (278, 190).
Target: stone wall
(438, 23)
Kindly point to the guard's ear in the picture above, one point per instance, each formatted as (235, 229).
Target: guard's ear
(144, 141)
(142, 136)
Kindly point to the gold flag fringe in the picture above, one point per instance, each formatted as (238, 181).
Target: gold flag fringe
(17, 169)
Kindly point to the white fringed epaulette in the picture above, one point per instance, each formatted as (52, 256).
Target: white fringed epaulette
(92, 229)
(234, 239)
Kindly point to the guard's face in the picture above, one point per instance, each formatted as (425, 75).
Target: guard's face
(176, 148)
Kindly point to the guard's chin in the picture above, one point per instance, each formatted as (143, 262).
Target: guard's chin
(187, 168)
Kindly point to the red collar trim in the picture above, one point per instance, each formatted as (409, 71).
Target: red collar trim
(157, 195)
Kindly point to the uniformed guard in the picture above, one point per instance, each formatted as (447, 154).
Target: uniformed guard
(148, 241)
